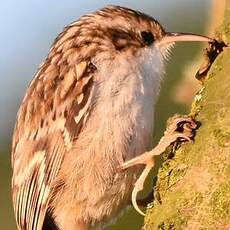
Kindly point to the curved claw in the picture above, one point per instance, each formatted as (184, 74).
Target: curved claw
(180, 127)
(134, 201)
(139, 185)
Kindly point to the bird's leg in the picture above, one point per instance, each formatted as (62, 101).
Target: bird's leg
(179, 128)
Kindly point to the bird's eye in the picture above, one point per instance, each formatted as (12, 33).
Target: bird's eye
(147, 37)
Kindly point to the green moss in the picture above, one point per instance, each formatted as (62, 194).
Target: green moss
(174, 218)
(220, 202)
(227, 171)
(176, 222)
(196, 108)
(176, 175)
(223, 137)
(224, 30)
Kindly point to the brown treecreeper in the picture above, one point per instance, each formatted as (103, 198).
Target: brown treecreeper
(89, 111)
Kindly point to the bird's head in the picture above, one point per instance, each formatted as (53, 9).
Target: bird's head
(117, 30)
(118, 42)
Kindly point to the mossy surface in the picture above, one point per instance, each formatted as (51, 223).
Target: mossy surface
(223, 32)
(193, 188)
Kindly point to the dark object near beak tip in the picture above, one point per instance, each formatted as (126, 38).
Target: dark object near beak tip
(214, 49)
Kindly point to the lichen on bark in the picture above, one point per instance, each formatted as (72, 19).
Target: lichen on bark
(193, 188)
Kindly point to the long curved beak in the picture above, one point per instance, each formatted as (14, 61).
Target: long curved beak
(176, 37)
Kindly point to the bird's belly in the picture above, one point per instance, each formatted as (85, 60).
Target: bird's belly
(100, 191)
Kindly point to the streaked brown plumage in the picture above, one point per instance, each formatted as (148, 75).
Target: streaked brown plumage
(46, 128)
(83, 115)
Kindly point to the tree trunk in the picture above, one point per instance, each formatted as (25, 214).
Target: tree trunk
(193, 188)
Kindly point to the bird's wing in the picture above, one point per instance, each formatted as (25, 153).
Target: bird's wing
(50, 118)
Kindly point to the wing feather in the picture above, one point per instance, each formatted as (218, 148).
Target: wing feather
(43, 134)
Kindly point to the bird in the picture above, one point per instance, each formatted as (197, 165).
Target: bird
(86, 120)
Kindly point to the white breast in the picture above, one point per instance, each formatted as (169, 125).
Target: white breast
(127, 91)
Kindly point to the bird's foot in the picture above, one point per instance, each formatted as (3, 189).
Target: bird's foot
(179, 128)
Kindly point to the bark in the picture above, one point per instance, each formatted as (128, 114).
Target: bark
(193, 188)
